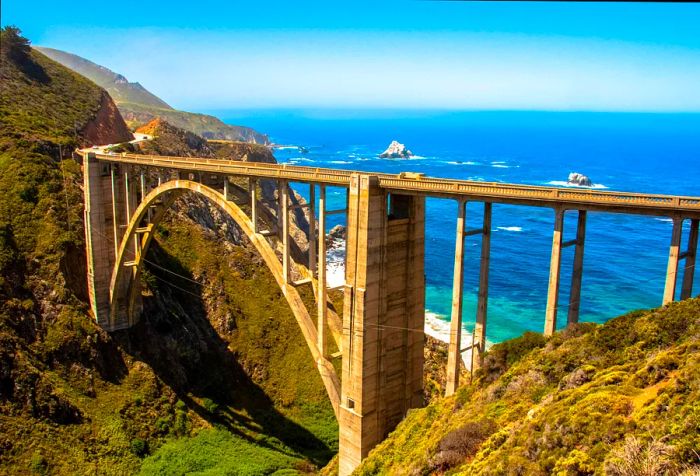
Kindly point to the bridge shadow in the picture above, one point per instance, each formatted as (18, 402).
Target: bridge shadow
(177, 340)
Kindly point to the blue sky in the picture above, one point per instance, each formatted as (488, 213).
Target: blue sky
(419, 54)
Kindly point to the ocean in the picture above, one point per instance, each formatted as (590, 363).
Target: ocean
(625, 256)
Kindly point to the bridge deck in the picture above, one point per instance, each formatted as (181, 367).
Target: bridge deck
(580, 199)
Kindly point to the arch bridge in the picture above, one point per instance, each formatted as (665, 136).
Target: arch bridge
(380, 336)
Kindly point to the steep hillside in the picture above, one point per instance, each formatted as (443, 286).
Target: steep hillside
(139, 106)
(214, 377)
(621, 398)
(115, 84)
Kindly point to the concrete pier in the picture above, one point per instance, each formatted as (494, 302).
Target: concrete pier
(454, 353)
(383, 318)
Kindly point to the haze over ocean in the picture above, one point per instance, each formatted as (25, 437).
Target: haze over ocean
(625, 257)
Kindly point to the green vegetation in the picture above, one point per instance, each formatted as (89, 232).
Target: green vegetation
(115, 84)
(215, 452)
(203, 125)
(75, 400)
(139, 106)
(620, 398)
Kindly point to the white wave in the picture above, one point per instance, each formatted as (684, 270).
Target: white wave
(503, 166)
(335, 264)
(340, 162)
(498, 162)
(665, 220)
(439, 328)
(510, 228)
(468, 162)
(563, 183)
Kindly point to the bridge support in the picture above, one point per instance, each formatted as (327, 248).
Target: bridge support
(454, 346)
(690, 258)
(577, 274)
(383, 317)
(322, 305)
(479, 343)
(99, 180)
(550, 321)
(674, 258)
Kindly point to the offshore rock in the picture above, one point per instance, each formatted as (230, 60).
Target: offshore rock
(335, 236)
(576, 178)
(396, 150)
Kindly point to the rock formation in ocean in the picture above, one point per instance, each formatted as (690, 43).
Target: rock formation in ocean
(396, 150)
(336, 235)
(576, 178)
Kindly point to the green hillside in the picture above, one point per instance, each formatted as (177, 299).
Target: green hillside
(116, 85)
(139, 106)
(621, 399)
(216, 372)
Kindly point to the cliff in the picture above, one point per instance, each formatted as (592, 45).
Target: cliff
(217, 365)
(138, 106)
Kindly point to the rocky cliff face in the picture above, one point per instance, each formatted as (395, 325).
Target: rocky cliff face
(107, 126)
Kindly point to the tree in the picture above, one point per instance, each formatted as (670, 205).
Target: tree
(13, 45)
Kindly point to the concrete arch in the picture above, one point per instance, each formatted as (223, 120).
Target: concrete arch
(126, 271)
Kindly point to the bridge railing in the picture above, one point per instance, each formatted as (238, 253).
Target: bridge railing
(425, 185)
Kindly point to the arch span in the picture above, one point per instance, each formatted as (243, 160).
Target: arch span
(126, 272)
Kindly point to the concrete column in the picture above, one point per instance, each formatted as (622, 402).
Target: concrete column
(322, 287)
(673, 258)
(115, 223)
(128, 199)
(144, 192)
(253, 192)
(279, 207)
(383, 318)
(131, 201)
(100, 253)
(479, 344)
(226, 188)
(690, 258)
(312, 229)
(453, 354)
(577, 274)
(284, 208)
(550, 321)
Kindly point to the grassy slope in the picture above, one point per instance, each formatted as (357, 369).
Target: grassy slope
(586, 401)
(75, 400)
(242, 296)
(139, 106)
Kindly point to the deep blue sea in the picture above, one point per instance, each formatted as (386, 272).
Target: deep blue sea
(625, 256)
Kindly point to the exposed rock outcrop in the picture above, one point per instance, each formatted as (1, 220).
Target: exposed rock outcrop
(576, 178)
(396, 150)
(107, 127)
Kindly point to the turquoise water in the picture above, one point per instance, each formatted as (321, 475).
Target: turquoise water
(626, 256)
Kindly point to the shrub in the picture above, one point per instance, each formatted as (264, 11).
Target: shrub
(210, 406)
(139, 447)
(634, 458)
(460, 444)
(38, 464)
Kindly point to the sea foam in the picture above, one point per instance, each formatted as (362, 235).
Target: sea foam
(563, 183)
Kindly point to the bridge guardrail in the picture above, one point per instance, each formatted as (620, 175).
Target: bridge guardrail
(420, 184)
